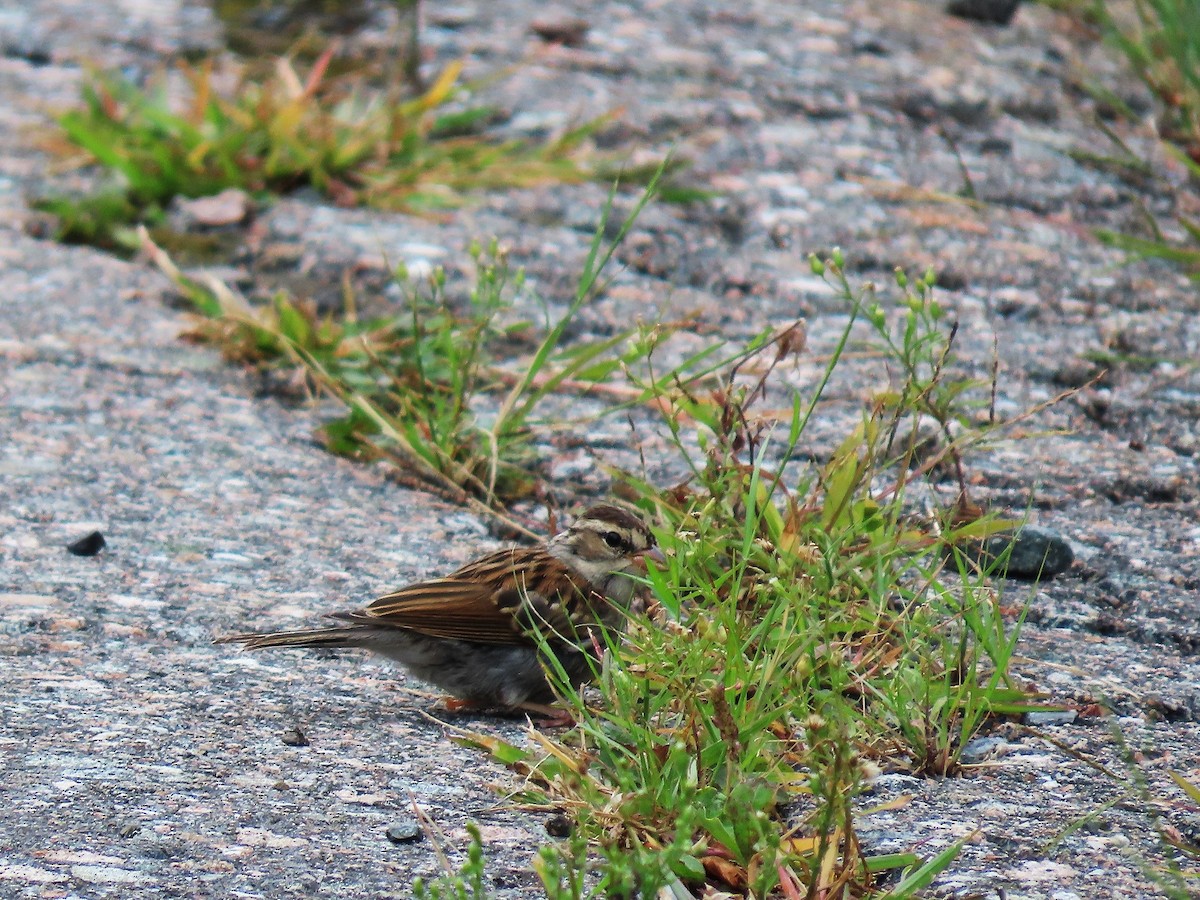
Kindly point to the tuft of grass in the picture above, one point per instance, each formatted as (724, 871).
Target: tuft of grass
(805, 631)
(812, 624)
(1161, 41)
(467, 883)
(407, 381)
(410, 383)
(283, 132)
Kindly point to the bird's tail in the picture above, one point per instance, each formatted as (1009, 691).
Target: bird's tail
(313, 637)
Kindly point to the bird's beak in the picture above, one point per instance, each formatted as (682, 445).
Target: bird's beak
(655, 554)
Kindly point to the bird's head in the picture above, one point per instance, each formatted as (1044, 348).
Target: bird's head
(605, 540)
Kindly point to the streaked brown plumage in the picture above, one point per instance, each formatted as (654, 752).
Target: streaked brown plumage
(473, 632)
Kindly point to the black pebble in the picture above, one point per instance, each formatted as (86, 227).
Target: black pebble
(1038, 553)
(403, 832)
(994, 12)
(558, 826)
(87, 546)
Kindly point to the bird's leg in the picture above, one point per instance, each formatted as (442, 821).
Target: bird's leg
(455, 705)
(554, 716)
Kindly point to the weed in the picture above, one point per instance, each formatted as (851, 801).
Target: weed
(407, 381)
(282, 132)
(805, 631)
(465, 884)
(1161, 41)
(806, 628)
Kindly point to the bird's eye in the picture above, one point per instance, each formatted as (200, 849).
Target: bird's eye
(614, 540)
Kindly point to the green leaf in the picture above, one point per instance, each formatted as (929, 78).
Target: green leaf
(921, 877)
(293, 324)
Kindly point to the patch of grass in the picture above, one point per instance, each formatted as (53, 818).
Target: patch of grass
(467, 883)
(282, 132)
(1161, 41)
(808, 628)
(806, 631)
(409, 382)
(406, 381)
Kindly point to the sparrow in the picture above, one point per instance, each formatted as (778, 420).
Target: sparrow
(481, 633)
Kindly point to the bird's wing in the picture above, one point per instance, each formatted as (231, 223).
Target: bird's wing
(467, 606)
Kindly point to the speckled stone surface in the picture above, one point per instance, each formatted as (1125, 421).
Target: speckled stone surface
(134, 752)
(139, 760)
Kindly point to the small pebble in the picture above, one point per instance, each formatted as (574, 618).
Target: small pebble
(230, 207)
(566, 30)
(1038, 553)
(1051, 717)
(403, 832)
(87, 546)
(981, 748)
(294, 737)
(558, 826)
(994, 12)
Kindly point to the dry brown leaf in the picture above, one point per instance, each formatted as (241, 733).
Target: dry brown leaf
(725, 871)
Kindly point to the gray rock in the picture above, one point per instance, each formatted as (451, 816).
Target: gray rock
(994, 12)
(980, 748)
(1037, 553)
(294, 737)
(89, 545)
(403, 831)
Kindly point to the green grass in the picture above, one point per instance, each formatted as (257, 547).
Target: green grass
(1161, 41)
(805, 632)
(284, 131)
(806, 629)
(467, 883)
(408, 381)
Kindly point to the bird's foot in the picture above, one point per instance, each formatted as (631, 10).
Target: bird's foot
(552, 716)
(548, 716)
(455, 705)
